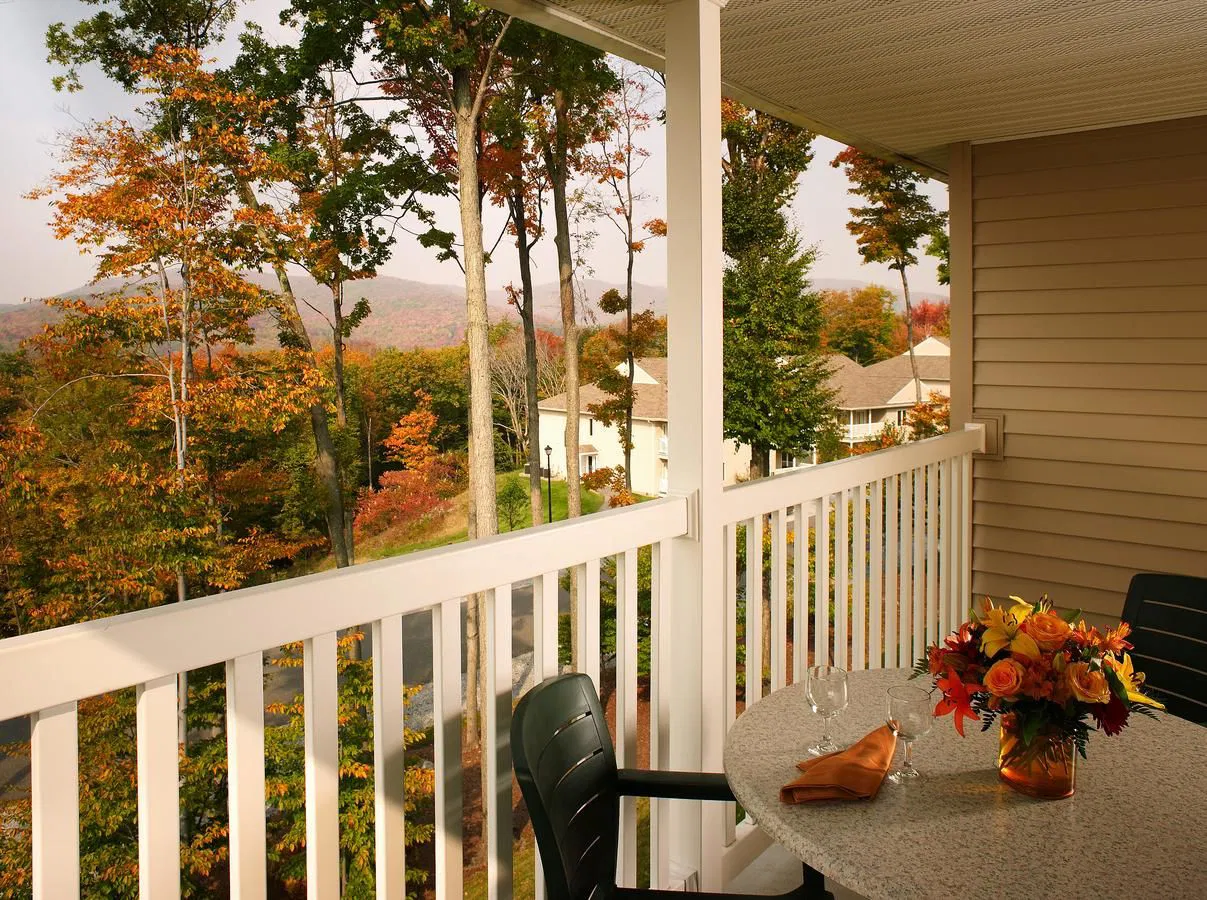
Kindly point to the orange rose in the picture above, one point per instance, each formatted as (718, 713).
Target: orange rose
(1088, 685)
(1004, 678)
(1048, 630)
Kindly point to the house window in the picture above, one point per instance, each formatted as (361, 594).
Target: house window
(901, 414)
(787, 460)
(590, 426)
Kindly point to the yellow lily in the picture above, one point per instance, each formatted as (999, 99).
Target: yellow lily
(1132, 682)
(1002, 629)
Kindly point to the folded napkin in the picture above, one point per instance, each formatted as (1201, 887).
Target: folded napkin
(852, 774)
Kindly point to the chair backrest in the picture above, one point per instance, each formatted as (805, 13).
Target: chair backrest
(566, 768)
(1168, 614)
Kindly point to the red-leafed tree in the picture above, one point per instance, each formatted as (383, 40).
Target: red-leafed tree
(617, 161)
(896, 217)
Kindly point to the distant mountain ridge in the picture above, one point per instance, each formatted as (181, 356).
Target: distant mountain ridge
(405, 314)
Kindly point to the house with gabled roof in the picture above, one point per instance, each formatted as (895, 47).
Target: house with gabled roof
(870, 397)
(599, 444)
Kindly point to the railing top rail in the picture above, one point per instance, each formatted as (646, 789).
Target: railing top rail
(744, 501)
(47, 668)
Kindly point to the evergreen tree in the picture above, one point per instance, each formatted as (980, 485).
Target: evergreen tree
(775, 375)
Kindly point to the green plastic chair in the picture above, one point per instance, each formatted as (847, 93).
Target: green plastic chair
(567, 772)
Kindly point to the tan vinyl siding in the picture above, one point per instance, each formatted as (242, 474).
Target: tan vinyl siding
(1089, 333)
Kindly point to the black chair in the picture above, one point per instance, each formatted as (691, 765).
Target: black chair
(1168, 615)
(566, 768)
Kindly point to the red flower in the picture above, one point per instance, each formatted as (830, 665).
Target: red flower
(1111, 717)
(956, 699)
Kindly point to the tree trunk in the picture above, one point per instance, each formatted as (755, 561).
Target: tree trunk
(481, 419)
(325, 462)
(760, 461)
(528, 318)
(557, 164)
(909, 336)
(337, 354)
(628, 313)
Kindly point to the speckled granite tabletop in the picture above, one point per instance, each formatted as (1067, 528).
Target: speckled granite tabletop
(1136, 827)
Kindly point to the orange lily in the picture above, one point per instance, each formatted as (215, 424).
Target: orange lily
(956, 700)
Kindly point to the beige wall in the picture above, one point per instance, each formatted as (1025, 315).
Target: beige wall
(1088, 284)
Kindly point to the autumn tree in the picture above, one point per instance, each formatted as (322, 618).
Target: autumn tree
(638, 336)
(117, 37)
(897, 215)
(510, 378)
(441, 61)
(859, 323)
(567, 82)
(153, 199)
(617, 161)
(929, 418)
(516, 179)
(775, 374)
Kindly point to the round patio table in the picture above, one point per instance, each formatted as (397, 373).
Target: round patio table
(1135, 828)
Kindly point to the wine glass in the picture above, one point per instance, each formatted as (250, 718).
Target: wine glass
(910, 715)
(827, 693)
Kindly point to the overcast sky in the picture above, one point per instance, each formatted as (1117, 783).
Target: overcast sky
(32, 114)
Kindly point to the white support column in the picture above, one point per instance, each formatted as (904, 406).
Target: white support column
(693, 147)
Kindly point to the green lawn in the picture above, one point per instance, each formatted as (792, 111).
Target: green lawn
(591, 502)
(522, 517)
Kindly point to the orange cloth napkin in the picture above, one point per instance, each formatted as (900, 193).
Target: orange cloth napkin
(852, 774)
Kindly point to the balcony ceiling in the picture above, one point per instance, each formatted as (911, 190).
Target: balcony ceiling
(906, 78)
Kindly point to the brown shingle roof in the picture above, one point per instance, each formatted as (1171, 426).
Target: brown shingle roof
(875, 385)
(854, 386)
(649, 400)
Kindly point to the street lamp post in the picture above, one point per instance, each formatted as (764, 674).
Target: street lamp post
(549, 478)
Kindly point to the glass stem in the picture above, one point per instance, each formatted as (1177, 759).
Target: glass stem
(909, 755)
(825, 730)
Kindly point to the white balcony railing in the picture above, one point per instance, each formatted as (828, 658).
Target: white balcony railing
(894, 527)
(862, 431)
(46, 673)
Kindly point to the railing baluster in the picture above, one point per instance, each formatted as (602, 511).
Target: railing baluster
(497, 757)
(779, 599)
(919, 592)
(321, 723)
(800, 593)
(932, 553)
(446, 693)
(954, 551)
(626, 708)
(945, 547)
(55, 798)
(859, 590)
(731, 653)
(821, 584)
(245, 776)
(842, 561)
(905, 606)
(892, 570)
(544, 627)
(965, 533)
(544, 655)
(389, 757)
(754, 609)
(876, 584)
(158, 790)
(588, 590)
(660, 638)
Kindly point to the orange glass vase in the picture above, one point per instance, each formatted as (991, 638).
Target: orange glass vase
(1045, 768)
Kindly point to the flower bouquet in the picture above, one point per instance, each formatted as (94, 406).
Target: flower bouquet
(1046, 678)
